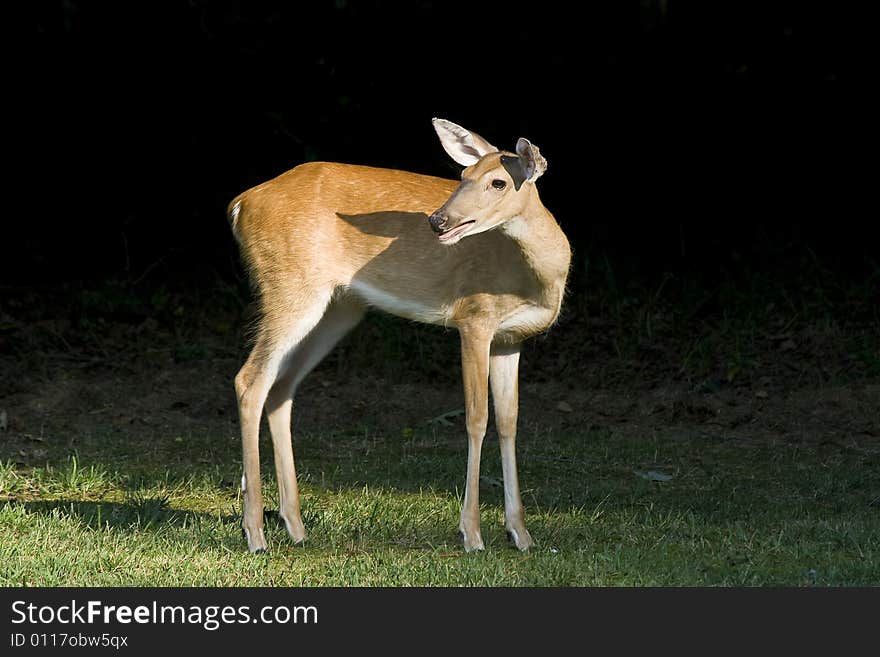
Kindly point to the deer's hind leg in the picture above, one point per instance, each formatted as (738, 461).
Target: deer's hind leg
(342, 315)
(277, 339)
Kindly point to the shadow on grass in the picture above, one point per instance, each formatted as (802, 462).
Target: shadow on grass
(145, 514)
(571, 479)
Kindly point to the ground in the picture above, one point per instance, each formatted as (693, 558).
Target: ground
(120, 403)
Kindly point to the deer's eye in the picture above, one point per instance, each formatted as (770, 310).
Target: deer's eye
(499, 184)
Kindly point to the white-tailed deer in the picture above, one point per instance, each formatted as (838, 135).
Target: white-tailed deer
(324, 241)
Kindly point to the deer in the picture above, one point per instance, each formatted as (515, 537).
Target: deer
(325, 241)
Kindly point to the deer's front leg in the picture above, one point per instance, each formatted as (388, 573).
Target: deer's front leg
(504, 371)
(475, 373)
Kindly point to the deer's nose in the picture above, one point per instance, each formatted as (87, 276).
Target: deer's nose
(437, 221)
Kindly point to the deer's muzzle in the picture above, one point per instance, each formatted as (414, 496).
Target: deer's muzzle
(437, 222)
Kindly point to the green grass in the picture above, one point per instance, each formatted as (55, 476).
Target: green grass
(382, 509)
(123, 461)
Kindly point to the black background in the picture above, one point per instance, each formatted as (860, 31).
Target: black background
(690, 139)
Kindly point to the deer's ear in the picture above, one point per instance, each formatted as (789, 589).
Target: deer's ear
(534, 165)
(527, 164)
(463, 146)
(513, 164)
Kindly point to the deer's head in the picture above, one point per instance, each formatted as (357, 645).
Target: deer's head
(495, 185)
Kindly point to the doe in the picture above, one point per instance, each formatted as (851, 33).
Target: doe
(325, 241)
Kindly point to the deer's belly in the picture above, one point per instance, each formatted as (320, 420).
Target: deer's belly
(399, 305)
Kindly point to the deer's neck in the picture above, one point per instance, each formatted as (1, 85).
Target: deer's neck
(544, 247)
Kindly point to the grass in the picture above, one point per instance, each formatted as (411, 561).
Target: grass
(753, 398)
(382, 509)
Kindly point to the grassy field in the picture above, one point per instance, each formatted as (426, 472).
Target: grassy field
(381, 510)
(663, 440)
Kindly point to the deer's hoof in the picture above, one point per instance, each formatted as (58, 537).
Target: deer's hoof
(256, 540)
(521, 538)
(472, 540)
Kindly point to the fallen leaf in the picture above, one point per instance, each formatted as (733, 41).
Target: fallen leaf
(761, 394)
(443, 420)
(564, 407)
(787, 345)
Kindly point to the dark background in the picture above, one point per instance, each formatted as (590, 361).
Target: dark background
(712, 167)
(678, 138)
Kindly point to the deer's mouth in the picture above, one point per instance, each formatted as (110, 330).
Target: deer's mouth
(458, 231)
